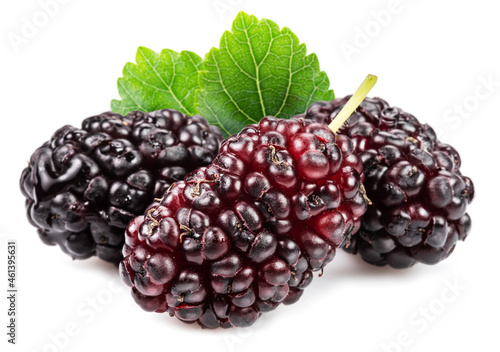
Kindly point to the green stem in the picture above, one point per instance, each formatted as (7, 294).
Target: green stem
(353, 103)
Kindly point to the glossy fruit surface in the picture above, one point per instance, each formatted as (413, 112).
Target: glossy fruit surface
(244, 234)
(414, 181)
(84, 185)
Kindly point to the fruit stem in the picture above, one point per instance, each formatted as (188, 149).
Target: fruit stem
(353, 103)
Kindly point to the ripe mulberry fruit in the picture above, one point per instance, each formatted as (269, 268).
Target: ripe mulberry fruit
(242, 235)
(84, 185)
(419, 195)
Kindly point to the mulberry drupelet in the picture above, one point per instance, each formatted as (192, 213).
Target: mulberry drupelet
(244, 234)
(419, 195)
(84, 185)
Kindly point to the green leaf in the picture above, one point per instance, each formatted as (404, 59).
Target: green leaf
(168, 80)
(258, 70)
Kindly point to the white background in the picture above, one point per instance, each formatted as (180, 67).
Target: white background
(430, 57)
